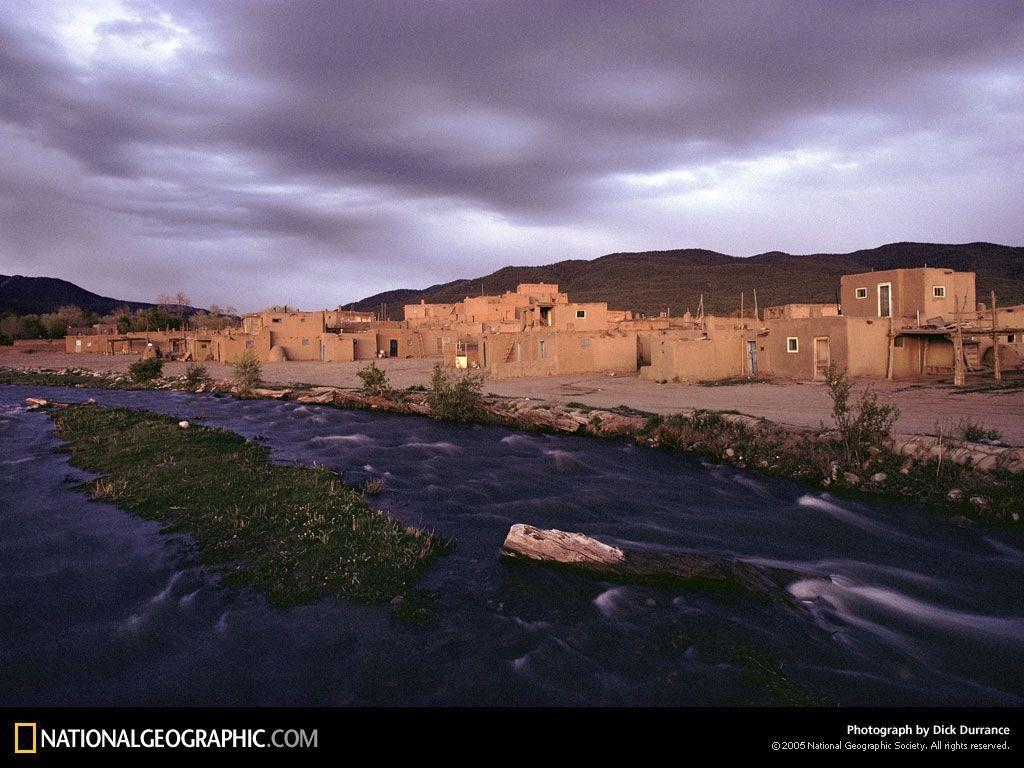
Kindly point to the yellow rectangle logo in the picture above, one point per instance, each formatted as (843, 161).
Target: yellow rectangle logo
(22, 744)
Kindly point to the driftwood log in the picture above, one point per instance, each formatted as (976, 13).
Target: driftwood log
(35, 403)
(583, 554)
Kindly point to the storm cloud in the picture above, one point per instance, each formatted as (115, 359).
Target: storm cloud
(314, 153)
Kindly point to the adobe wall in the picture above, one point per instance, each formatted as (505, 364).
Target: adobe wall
(517, 355)
(686, 357)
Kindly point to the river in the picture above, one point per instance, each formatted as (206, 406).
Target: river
(893, 605)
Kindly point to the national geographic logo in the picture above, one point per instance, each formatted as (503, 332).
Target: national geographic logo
(29, 738)
(25, 738)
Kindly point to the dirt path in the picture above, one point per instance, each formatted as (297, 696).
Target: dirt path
(923, 406)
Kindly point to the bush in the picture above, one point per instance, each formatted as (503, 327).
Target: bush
(246, 372)
(375, 381)
(196, 374)
(863, 428)
(146, 370)
(455, 398)
(5, 342)
(972, 432)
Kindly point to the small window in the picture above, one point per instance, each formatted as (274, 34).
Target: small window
(862, 293)
(581, 313)
(275, 319)
(543, 352)
(584, 342)
(248, 345)
(305, 342)
(898, 342)
(446, 340)
(792, 344)
(302, 319)
(1011, 338)
(939, 291)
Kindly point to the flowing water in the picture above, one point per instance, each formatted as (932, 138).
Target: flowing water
(892, 606)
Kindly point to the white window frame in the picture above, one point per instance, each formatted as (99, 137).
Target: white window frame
(860, 293)
(581, 314)
(938, 291)
(879, 305)
(792, 344)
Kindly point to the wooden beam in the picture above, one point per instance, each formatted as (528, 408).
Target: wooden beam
(995, 342)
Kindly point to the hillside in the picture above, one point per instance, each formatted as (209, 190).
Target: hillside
(652, 281)
(39, 295)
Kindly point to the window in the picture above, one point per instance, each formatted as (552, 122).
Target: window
(1011, 338)
(248, 345)
(581, 313)
(792, 344)
(862, 293)
(275, 319)
(305, 342)
(584, 342)
(938, 291)
(898, 342)
(885, 299)
(543, 354)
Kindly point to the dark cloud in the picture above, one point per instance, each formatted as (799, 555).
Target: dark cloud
(235, 149)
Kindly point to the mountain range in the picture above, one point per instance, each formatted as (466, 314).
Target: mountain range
(654, 281)
(39, 295)
(649, 282)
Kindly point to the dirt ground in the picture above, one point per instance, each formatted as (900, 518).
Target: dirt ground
(924, 407)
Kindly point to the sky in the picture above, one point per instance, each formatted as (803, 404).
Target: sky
(314, 153)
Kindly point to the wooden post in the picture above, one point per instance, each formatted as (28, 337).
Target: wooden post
(757, 316)
(995, 342)
(892, 352)
(959, 375)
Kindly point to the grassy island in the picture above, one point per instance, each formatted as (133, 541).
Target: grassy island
(293, 533)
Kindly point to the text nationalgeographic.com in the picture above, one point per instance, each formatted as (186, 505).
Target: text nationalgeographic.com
(29, 738)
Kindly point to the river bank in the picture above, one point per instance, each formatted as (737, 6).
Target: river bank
(925, 406)
(966, 481)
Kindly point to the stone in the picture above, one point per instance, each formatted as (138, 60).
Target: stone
(730, 452)
(183, 424)
(979, 502)
(955, 494)
(879, 477)
(850, 478)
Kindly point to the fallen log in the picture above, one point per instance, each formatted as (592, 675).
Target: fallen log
(35, 403)
(583, 554)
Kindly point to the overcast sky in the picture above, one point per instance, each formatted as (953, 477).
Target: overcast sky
(316, 153)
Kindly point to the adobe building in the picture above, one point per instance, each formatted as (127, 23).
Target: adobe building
(900, 323)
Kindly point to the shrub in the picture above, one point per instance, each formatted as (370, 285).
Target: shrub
(455, 398)
(196, 374)
(375, 381)
(864, 427)
(5, 342)
(246, 371)
(146, 370)
(972, 432)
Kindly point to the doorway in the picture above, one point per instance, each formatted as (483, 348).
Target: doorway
(822, 357)
(393, 348)
(752, 358)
